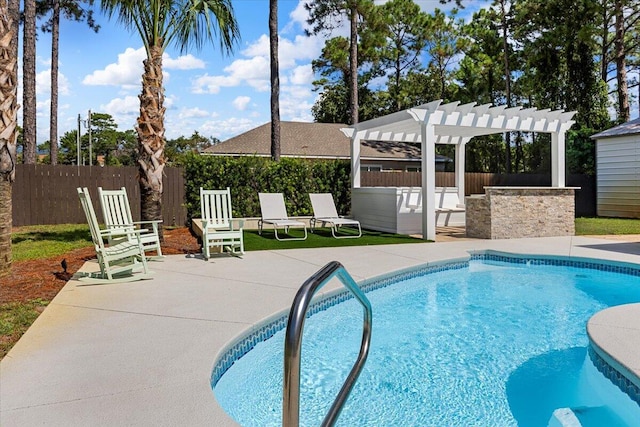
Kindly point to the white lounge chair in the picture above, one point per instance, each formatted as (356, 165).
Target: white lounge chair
(274, 212)
(117, 217)
(121, 258)
(218, 226)
(325, 212)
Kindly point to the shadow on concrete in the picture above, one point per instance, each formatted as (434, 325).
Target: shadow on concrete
(625, 248)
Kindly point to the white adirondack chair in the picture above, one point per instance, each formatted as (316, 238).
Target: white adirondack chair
(117, 217)
(218, 226)
(121, 257)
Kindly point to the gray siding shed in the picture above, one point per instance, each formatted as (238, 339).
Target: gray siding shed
(618, 171)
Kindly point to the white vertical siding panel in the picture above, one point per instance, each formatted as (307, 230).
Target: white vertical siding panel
(618, 176)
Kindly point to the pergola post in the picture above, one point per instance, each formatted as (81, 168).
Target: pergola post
(428, 148)
(460, 168)
(355, 159)
(558, 158)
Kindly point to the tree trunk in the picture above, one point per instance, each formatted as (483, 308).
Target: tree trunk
(8, 123)
(53, 117)
(29, 83)
(507, 81)
(604, 47)
(275, 80)
(353, 63)
(621, 66)
(151, 142)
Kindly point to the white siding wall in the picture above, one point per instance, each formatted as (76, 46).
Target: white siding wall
(396, 209)
(618, 176)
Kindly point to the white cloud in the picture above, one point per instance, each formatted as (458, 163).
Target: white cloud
(298, 18)
(127, 105)
(254, 72)
(255, 69)
(300, 48)
(241, 102)
(126, 72)
(212, 84)
(185, 62)
(43, 83)
(302, 75)
(224, 129)
(123, 110)
(189, 113)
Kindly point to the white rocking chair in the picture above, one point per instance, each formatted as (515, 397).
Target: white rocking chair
(218, 226)
(120, 258)
(117, 217)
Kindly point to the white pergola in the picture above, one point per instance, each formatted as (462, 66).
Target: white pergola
(437, 123)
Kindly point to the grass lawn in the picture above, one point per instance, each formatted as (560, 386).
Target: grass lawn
(15, 319)
(43, 241)
(600, 226)
(321, 238)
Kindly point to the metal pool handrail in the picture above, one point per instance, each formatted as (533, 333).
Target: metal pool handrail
(293, 344)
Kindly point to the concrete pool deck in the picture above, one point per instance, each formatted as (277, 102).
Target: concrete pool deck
(141, 353)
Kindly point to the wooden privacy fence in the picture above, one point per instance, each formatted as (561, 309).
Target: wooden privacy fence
(474, 183)
(45, 194)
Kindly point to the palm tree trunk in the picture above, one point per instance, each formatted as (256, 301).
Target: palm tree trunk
(8, 123)
(29, 83)
(151, 142)
(275, 80)
(53, 117)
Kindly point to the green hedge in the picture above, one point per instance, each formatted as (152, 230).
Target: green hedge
(248, 176)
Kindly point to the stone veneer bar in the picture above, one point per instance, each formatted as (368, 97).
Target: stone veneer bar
(516, 212)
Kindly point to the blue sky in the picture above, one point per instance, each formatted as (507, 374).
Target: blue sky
(219, 96)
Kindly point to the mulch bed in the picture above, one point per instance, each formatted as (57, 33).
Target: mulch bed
(43, 278)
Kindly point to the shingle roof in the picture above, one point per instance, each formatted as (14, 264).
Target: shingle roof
(313, 140)
(629, 128)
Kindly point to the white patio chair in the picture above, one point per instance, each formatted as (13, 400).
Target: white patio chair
(273, 211)
(121, 258)
(325, 212)
(218, 226)
(117, 217)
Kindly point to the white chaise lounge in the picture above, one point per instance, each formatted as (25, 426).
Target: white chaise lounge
(325, 212)
(273, 211)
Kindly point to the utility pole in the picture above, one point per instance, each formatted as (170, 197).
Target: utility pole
(90, 150)
(78, 145)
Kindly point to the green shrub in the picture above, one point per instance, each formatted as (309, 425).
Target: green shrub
(248, 176)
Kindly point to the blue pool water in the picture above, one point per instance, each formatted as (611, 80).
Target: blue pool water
(494, 344)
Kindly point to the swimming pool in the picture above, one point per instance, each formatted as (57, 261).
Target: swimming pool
(496, 341)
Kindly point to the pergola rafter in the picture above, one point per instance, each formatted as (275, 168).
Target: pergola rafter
(451, 123)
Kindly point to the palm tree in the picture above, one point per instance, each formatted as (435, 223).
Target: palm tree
(9, 10)
(275, 80)
(160, 23)
(29, 83)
